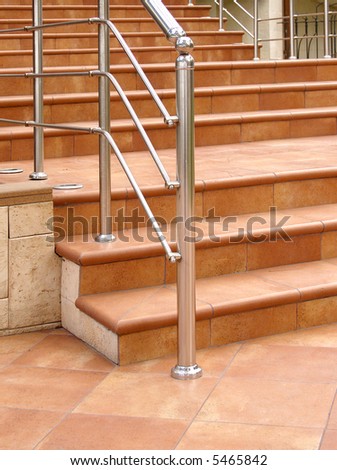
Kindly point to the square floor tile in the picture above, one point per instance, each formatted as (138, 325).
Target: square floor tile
(45, 389)
(20, 343)
(215, 436)
(64, 352)
(142, 395)
(23, 429)
(329, 441)
(283, 362)
(80, 431)
(257, 401)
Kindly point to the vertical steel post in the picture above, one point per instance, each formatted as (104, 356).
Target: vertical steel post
(105, 234)
(291, 31)
(327, 54)
(221, 15)
(256, 30)
(38, 173)
(186, 368)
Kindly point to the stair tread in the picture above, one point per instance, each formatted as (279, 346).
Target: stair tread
(17, 132)
(126, 34)
(14, 100)
(217, 167)
(135, 49)
(142, 243)
(147, 19)
(201, 65)
(125, 312)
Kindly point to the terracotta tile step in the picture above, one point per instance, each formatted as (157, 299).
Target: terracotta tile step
(133, 39)
(87, 2)
(123, 24)
(211, 129)
(62, 57)
(286, 173)
(68, 107)
(224, 245)
(209, 74)
(230, 308)
(88, 11)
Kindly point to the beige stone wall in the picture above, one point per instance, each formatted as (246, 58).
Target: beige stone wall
(30, 271)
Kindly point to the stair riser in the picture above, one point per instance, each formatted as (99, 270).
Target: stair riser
(69, 12)
(210, 262)
(53, 42)
(86, 2)
(125, 24)
(211, 104)
(82, 57)
(216, 331)
(64, 144)
(222, 75)
(82, 218)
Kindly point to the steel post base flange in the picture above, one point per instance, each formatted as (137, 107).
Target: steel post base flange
(102, 238)
(186, 372)
(38, 175)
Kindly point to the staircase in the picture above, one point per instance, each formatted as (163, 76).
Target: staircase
(266, 181)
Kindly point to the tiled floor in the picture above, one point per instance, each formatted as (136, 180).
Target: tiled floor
(277, 392)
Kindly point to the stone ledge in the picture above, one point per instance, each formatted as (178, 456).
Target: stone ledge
(24, 193)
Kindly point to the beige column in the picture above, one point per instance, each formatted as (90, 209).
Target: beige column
(267, 30)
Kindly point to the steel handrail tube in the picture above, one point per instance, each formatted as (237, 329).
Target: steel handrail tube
(238, 22)
(169, 184)
(186, 367)
(105, 234)
(164, 19)
(327, 54)
(256, 30)
(171, 255)
(244, 9)
(169, 120)
(292, 55)
(38, 173)
(221, 10)
(44, 26)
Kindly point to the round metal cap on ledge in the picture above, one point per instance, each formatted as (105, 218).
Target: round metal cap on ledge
(10, 171)
(186, 372)
(67, 186)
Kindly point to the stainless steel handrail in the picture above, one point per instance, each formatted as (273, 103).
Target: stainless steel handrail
(186, 367)
(104, 24)
(171, 255)
(38, 173)
(168, 182)
(168, 118)
(167, 23)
